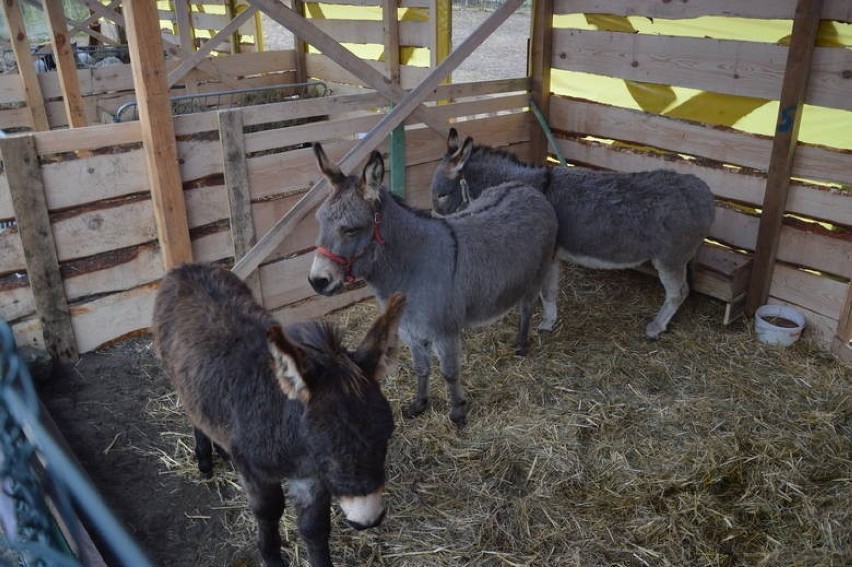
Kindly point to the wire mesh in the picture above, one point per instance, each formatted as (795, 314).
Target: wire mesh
(36, 473)
(203, 102)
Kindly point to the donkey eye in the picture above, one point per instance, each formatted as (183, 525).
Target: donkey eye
(351, 231)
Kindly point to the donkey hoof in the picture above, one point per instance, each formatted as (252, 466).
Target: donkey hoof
(458, 415)
(415, 408)
(522, 350)
(546, 326)
(653, 331)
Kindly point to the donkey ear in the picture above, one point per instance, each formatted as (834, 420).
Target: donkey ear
(377, 355)
(452, 141)
(289, 364)
(371, 179)
(460, 157)
(328, 168)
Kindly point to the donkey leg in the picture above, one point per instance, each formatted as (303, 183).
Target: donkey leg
(522, 340)
(548, 294)
(313, 520)
(674, 282)
(421, 356)
(203, 453)
(266, 500)
(448, 350)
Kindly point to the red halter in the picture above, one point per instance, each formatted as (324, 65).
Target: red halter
(347, 262)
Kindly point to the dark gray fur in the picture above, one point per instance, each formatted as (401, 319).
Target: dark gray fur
(463, 270)
(606, 219)
(283, 403)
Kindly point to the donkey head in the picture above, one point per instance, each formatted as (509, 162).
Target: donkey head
(449, 187)
(349, 223)
(347, 422)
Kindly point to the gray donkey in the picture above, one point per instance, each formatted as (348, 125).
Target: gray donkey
(607, 219)
(462, 270)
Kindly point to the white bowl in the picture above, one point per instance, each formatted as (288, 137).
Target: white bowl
(778, 324)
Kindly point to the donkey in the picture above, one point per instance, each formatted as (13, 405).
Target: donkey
(282, 402)
(607, 219)
(463, 270)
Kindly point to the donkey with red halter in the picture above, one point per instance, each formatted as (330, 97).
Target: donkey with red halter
(462, 270)
(606, 219)
(283, 402)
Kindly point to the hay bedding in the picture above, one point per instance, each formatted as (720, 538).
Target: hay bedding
(599, 448)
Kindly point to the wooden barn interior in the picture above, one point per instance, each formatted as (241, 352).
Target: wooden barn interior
(193, 143)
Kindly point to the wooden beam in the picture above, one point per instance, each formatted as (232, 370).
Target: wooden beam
(192, 61)
(66, 64)
(300, 46)
(540, 55)
(158, 135)
(842, 346)
(793, 89)
(390, 30)
(23, 171)
(342, 56)
(360, 151)
(239, 194)
(173, 47)
(26, 66)
(186, 34)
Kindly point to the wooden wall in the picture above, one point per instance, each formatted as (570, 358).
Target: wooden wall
(814, 256)
(98, 208)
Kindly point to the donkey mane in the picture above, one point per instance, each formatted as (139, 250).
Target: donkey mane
(323, 340)
(482, 151)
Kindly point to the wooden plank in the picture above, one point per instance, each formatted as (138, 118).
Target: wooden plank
(404, 108)
(801, 48)
(16, 303)
(66, 65)
(842, 343)
(320, 306)
(108, 318)
(765, 9)
(191, 61)
(92, 138)
(157, 131)
(817, 293)
(391, 40)
(342, 56)
(22, 168)
(541, 55)
(239, 189)
(26, 66)
(725, 145)
(723, 66)
(300, 46)
(186, 34)
(320, 65)
(311, 132)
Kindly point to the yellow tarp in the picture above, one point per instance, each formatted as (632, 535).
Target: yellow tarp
(825, 126)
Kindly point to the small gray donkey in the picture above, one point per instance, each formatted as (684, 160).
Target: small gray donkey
(462, 270)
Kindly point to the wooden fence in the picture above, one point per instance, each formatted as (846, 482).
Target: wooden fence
(103, 263)
(814, 254)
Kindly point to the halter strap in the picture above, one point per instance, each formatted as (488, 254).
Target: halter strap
(465, 191)
(347, 262)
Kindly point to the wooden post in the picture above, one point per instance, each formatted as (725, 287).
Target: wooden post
(186, 34)
(805, 26)
(26, 66)
(390, 27)
(66, 64)
(158, 135)
(540, 54)
(300, 47)
(239, 194)
(20, 159)
(842, 346)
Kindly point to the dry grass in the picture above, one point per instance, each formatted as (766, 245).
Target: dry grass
(599, 448)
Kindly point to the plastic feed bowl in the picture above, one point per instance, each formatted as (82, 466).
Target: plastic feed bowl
(778, 325)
